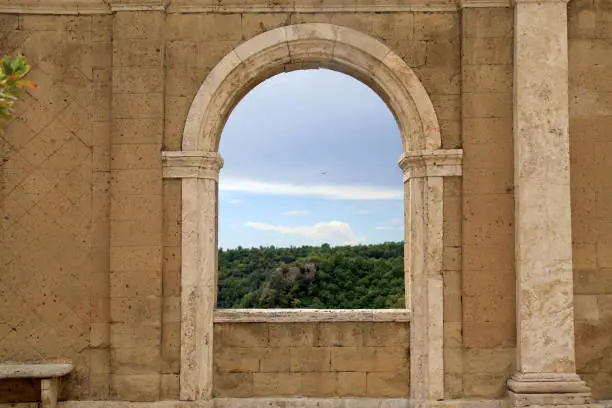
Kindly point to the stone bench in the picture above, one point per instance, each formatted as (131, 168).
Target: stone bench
(50, 375)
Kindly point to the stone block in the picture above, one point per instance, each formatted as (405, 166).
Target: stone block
(309, 359)
(169, 388)
(138, 25)
(276, 384)
(275, 359)
(586, 308)
(351, 384)
(487, 51)
(592, 281)
(293, 335)
(176, 109)
(318, 385)
(352, 358)
(436, 26)
(136, 310)
(138, 131)
(485, 308)
(453, 334)
(486, 105)
(137, 106)
(241, 335)
(488, 220)
(340, 334)
(491, 386)
(135, 387)
(127, 336)
(135, 233)
(487, 22)
(388, 385)
(137, 53)
(131, 208)
(391, 359)
(171, 309)
(393, 26)
(493, 361)
(138, 284)
(491, 335)
(487, 78)
(99, 361)
(444, 53)
(135, 156)
(237, 359)
(171, 348)
(254, 24)
(451, 258)
(386, 334)
(134, 258)
(135, 360)
(233, 385)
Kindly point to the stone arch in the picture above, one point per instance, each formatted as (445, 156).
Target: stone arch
(315, 45)
(424, 164)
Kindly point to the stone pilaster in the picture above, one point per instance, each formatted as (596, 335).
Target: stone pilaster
(423, 181)
(199, 172)
(546, 369)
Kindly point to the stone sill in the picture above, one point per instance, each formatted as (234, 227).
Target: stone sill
(310, 315)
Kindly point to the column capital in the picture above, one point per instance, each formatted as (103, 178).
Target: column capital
(431, 163)
(191, 164)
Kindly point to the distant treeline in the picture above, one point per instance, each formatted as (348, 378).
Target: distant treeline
(322, 277)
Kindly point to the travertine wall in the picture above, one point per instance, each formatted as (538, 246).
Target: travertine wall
(489, 328)
(54, 201)
(311, 359)
(90, 239)
(590, 52)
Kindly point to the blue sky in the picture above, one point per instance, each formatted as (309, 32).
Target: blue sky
(310, 157)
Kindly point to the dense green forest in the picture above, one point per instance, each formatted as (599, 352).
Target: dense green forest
(326, 277)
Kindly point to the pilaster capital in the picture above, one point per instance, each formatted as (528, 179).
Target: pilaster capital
(431, 163)
(191, 164)
(520, 2)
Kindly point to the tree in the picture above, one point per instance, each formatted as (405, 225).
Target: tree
(12, 83)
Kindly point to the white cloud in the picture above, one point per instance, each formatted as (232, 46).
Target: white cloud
(389, 228)
(295, 212)
(329, 191)
(333, 232)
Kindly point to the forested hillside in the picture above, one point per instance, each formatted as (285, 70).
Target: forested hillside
(345, 277)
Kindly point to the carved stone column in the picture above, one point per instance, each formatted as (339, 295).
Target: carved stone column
(546, 369)
(200, 174)
(423, 214)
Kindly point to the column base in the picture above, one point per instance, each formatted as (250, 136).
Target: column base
(547, 390)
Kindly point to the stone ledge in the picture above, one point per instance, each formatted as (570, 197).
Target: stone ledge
(279, 402)
(309, 315)
(15, 370)
(72, 7)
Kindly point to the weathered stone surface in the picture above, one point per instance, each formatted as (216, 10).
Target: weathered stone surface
(82, 170)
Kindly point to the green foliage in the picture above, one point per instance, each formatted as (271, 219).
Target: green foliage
(12, 82)
(347, 277)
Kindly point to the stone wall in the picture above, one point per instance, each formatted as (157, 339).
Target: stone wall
(54, 201)
(488, 287)
(91, 234)
(590, 55)
(311, 359)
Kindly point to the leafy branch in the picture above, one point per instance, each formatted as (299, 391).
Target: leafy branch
(12, 83)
